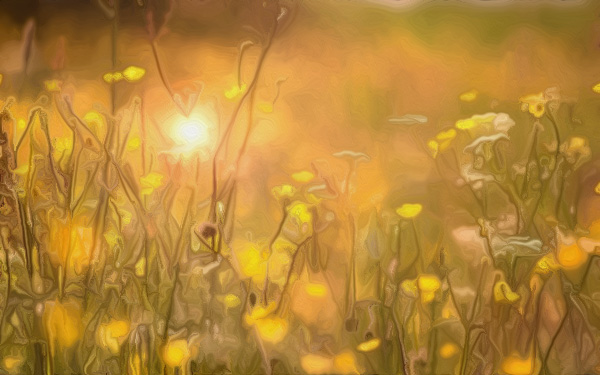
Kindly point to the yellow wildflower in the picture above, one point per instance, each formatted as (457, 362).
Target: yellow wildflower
(445, 138)
(571, 256)
(265, 107)
(316, 290)
(303, 176)
(434, 147)
(546, 264)
(284, 190)
(12, 363)
(345, 363)
(133, 143)
(316, 364)
(272, 329)
(469, 96)
(475, 120)
(300, 212)
(231, 301)
(253, 262)
(369, 345)
(133, 73)
(410, 288)
(516, 365)
(53, 85)
(428, 285)
(150, 182)
(176, 353)
(534, 103)
(235, 91)
(409, 210)
(504, 294)
(448, 350)
(111, 335)
(62, 323)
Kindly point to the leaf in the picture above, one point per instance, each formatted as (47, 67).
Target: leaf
(187, 97)
(157, 14)
(375, 238)
(407, 120)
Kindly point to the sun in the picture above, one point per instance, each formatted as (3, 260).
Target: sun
(192, 133)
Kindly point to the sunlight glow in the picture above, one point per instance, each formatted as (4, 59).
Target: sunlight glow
(192, 133)
(192, 136)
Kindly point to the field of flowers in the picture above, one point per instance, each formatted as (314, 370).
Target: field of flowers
(152, 221)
